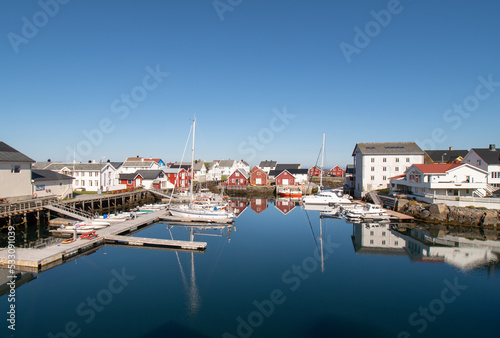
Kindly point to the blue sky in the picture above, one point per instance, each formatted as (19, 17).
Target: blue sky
(264, 78)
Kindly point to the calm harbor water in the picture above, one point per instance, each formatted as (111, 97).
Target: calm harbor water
(282, 272)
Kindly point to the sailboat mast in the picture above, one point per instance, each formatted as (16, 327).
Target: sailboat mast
(192, 164)
(322, 159)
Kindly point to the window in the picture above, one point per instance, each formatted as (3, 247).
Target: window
(384, 159)
(383, 242)
(396, 243)
(373, 159)
(373, 168)
(407, 159)
(237, 174)
(478, 162)
(384, 178)
(371, 241)
(397, 159)
(76, 182)
(383, 233)
(16, 169)
(232, 180)
(90, 183)
(384, 169)
(96, 183)
(372, 178)
(83, 183)
(397, 169)
(129, 181)
(96, 174)
(372, 233)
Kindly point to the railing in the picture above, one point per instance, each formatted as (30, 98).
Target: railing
(463, 198)
(24, 206)
(71, 210)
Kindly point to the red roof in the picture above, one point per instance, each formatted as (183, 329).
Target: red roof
(397, 177)
(437, 168)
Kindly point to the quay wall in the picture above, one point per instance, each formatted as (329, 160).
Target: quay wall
(451, 215)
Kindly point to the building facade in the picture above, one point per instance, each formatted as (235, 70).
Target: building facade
(15, 173)
(376, 163)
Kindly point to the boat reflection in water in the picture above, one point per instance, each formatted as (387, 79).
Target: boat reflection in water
(198, 229)
(419, 245)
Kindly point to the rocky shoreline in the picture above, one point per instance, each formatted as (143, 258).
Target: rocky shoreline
(443, 214)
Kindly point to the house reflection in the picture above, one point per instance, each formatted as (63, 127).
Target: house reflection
(422, 246)
(258, 204)
(285, 205)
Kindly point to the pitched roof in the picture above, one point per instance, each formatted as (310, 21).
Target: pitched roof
(129, 176)
(78, 166)
(489, 156)
(437, 168)
(172, 170)
(48, 175)
(150, 174)
(242, 171)
(283, 166)
(446, 155)
(198, 165)
(138, 164)
(267, 163)
(388, 148)
(42, 165)
(116, 165)
(9, 154)
(226, 163)
(291, 171)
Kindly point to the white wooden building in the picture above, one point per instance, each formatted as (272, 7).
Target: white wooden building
(487, 159)
(441, 180)
(375, 163)
(89, 176)
(50, 183)
(15, 173)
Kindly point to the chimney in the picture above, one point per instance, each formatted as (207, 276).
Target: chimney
(492, 147)
(451, 148)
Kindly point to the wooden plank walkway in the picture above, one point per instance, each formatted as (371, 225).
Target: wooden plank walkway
(155, 242)
(188, 220)
(45, 258)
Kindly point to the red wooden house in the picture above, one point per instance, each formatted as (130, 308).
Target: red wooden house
(238, 178)
(258, 176)
(285, 178)
(338, 171)
(314, 171)
(132, 180)
(178, 177)
(258, 205)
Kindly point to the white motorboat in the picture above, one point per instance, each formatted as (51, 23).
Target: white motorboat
(328, 197)
(368, 212)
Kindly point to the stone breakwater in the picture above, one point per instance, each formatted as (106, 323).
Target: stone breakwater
(443, 214)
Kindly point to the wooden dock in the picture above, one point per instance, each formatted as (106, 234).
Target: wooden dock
(34, 260)
(141, 241)
(187, 220)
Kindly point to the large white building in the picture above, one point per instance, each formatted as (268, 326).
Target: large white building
(375, 163)
(224, 168)
(89, 176)
(441, 180)
(487, 159)
(15, 173)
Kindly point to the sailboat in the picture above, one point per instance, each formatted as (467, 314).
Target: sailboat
(326, 197)
(195, 211)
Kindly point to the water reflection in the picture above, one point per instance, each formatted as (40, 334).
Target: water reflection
(424, 245)
(198, 229)
(21, 279)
